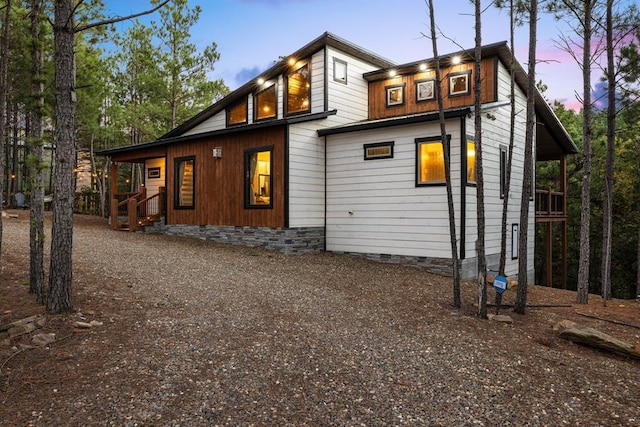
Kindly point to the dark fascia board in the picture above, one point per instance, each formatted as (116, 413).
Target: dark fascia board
(393, 121)
(225, 131)
(326, 39)
(503, 52)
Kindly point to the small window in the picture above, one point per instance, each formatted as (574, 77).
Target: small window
(395, 95)
(425, 90)
(339, 71)
(430, 161)
(503, 171)
(471, 162)
(237, 114)
(265, 101)
(379, 150)
(258, 182)
(298, 90)
(184, 194)
(459, 83)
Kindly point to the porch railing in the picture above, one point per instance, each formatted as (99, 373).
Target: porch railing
(550, 203)
(133, 211)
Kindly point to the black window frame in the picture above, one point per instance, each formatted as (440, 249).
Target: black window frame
(273, 86)
(451, 76)
(504, 160)
(176, 187)
(247, 172)
(374, 145)
(246, 113)
(431, 140)
(389, 88)
(286, 86)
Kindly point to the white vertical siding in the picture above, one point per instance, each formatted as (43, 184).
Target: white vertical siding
(374, 206)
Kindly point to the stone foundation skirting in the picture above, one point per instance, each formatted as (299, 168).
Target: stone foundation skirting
(286, 240)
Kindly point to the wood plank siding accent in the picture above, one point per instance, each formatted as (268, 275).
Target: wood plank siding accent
(377, 94)
(219, 182)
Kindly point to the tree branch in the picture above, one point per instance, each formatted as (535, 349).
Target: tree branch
(118, 19)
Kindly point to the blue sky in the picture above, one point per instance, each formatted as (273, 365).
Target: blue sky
(252, 34)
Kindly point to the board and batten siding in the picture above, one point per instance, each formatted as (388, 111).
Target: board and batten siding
(374, 206)
(495, 135)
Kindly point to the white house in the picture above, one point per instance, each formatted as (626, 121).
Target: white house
(336, 148)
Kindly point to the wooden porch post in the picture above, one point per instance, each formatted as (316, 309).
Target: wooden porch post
(563, 184)
(114, 191)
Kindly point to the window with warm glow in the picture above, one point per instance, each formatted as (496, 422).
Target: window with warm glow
(430, 161)
(266, 103)
(237, 114)
(298, 89)
(258, 182)
(471, 162)
(184, 183)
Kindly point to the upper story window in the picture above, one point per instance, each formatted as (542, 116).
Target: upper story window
(395, 94)
(339, 71)
(298, 90)
(459, 83)
(429, 161)
(265, 102)
(237, 114)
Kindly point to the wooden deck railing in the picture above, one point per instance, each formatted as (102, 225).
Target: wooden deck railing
(133, 211)
(550, 203)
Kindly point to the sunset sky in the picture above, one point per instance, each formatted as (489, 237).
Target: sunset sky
(252, 34)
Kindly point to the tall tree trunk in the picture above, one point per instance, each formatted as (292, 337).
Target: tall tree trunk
(455, 260)
(638, 268)
(36, 252)
(585, 213)
(512, 126)
(525, 203)
(608, 176)
(60, 272)
(4, 66)
(482, 262)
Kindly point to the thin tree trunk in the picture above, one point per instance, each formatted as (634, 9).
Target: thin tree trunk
(525, 203)
(455, 260)
(512, 125)
(4, 66)
(60, 273)
(36, 252)
(585, 213)
(608, 176)
(482, 262)
(638, 268)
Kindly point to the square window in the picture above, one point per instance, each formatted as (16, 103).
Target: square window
(265, 101)
(258, 184)
(425, 90)
(395, 95)
(429, 161)
(184, 183)
(339, 71)
(459, 83)
(237, 114)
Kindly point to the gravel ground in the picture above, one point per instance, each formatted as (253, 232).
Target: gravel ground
(202, 334)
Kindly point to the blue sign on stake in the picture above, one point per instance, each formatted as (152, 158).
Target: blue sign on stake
(500, 284)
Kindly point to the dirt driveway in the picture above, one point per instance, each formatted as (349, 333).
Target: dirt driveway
(193, 333)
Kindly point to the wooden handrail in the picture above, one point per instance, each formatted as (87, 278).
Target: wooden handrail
(550, 202)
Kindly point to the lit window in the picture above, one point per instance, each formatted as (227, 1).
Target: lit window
(237, 114)
(184, 194)
(258, 183)
(430, 158)
(266, 103)
(395, 95)
(471, 162)
(298, 89)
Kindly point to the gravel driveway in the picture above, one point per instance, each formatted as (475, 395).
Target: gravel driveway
(202, 334)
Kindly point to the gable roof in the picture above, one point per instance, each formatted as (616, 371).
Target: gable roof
(326, 39)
